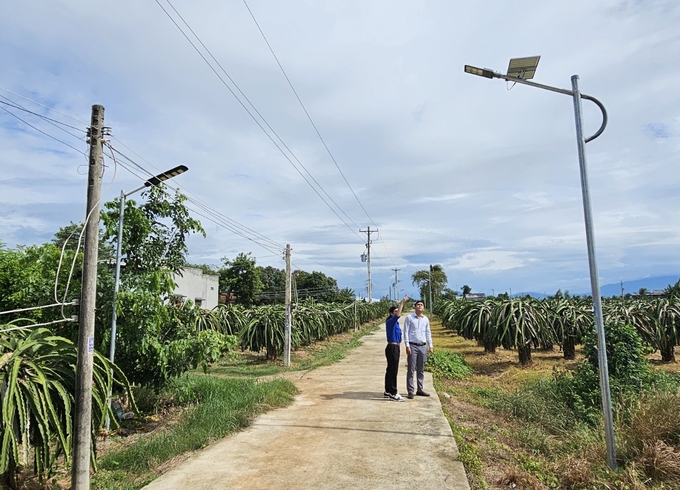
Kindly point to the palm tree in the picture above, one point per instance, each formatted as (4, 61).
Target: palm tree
(422, 280)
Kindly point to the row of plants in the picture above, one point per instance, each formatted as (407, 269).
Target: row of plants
(548, 430)
(527, 323)
(157, 340)
(37, 368)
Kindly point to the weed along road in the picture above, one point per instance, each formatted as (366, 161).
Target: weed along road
(340, 433)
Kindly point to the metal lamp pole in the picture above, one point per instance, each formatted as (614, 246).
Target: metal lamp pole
(590, 238)
(168, 174)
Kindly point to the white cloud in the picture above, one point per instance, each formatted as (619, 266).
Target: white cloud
(452, 169)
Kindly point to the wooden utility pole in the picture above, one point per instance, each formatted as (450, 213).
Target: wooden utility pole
(80, 474)
(368, 231)
(287, 338)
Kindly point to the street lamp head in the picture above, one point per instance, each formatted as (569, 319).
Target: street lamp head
(524, 68)
(168, 174)
(481, 72)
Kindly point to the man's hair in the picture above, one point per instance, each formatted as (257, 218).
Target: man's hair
(419, 301)
(393, 309)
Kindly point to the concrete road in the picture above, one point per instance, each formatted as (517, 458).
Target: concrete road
(340, 433)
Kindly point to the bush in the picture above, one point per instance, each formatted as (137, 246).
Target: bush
(445, 364)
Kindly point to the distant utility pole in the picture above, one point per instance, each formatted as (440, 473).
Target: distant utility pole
(621, 289)
(80, 474)
(286, 348)
(396, 284)
(368, 231)
(430, 281)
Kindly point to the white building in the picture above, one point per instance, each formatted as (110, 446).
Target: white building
(202, 289)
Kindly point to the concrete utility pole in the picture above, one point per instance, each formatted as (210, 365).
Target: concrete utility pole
(396, 284)
(430, 281)
(287, 340)
(80, 474)
(368, 231)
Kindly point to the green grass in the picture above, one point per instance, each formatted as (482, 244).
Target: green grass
(217, 407)
(320, 354)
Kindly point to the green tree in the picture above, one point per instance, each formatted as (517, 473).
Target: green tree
(421, 279)
(346, 295)
(273, 285)
(241, 277)
(449, 294)
(643, 292)
(466, 290)
(316, 285)
(673, 291)
(153, 248)
(154, 233)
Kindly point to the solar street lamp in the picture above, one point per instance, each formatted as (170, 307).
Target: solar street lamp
(155, 180)
(520, 70)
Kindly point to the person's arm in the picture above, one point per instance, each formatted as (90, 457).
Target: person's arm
(428, 334)
(401, 305)
(407, 321)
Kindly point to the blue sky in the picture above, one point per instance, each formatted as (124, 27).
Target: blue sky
(469, 173)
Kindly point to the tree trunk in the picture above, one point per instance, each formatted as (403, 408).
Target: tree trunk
(489, 347)
(569, 348)
(524, 354)
(668, 353)
(271, 352)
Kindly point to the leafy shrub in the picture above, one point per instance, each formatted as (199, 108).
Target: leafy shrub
(446, 364)
(629, 372)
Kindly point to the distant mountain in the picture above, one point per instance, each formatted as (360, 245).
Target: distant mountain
(608, 290)
(651, 283)
(530, 293)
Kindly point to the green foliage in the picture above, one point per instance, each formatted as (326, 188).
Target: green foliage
(448, 365)
(154, 233)
(241, 278)
(38, 377)
(629, 372)
(27, 278)
(673, 291)
(149, 330)
(315, 285)
(422, 279)
(216, 408)
(273, 285)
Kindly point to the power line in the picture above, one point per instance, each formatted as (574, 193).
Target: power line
(209, 213)
(19, 310)
(45, 106)
(43, 132)
(316, 129)
(306, 112)
(259, 114)
(11, 103)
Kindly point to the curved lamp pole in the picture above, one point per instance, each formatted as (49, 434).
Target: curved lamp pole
(168, 174)
(519, 70)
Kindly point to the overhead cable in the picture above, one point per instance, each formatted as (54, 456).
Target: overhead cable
(260, 115)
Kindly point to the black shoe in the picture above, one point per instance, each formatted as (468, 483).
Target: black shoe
(386, 394)
(410, 396)
(422, 393)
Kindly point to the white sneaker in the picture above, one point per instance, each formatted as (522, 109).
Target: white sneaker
(397, 398)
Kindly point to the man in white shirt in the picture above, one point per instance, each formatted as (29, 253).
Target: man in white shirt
(417, 337)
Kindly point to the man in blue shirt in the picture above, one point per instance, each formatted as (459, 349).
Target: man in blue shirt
(392, 352)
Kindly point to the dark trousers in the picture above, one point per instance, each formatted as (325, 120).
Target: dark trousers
(392, 355)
